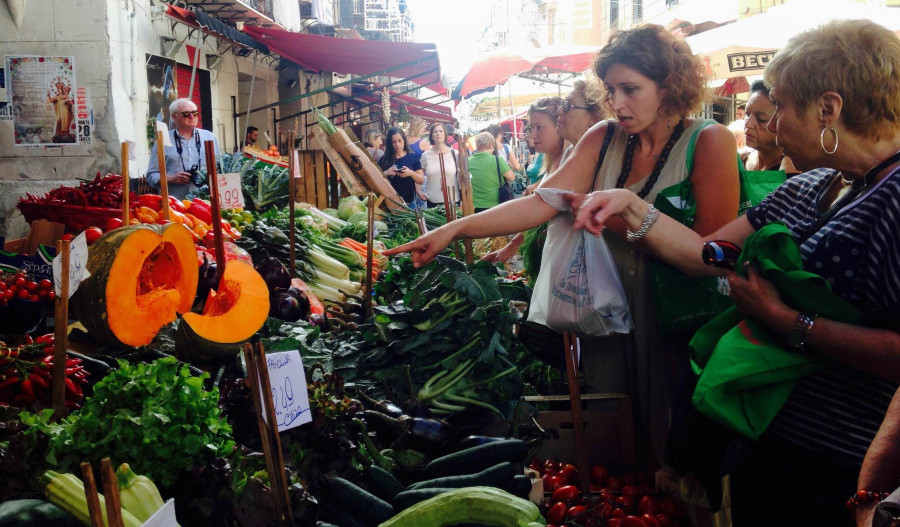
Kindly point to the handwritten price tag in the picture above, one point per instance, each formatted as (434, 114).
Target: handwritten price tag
(230, 195)
(164, 517)
(78, 256)
(288, 380)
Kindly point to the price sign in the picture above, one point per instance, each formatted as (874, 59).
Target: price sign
(164, 517)
(132, 150)
(161, 127)
(78, 256)
(230, 194)
(288, 380)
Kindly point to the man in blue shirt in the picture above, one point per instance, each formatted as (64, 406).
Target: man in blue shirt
(186, 155)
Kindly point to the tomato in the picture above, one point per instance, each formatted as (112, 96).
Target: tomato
(614, 484)
(23, 294)
(31, 286)
(45, 284)
(670, 508)
(569, 473)
(575, 512)
(614, 522)
(632, 491)
(92, 234)
(67, 237)
(603, 510)
(626, 503)
(34, 298)
(551, 482)
(650, 520)
(113, 223)
(648, 505)
(557, 513)
(617, 513)
(632, 521)
(566, 493)
(599, 474)
(537, 468)
(664, 521)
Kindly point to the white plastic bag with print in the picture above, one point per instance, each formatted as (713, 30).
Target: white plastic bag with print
(578, 288)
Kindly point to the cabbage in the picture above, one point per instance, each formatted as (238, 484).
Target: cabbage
(359, 217)
(349, 205)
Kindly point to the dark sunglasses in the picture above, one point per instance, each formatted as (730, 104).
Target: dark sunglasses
(566, 106)
(194, 113)
(721, 254)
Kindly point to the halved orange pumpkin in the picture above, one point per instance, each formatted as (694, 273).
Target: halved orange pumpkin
(232, 314)
(141, 277)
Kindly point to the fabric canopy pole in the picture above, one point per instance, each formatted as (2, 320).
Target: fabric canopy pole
(249, 102)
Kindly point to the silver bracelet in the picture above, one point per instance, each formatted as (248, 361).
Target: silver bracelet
(800, 330)
(648, 221)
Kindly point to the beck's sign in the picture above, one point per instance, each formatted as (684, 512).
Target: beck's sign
(749, 61)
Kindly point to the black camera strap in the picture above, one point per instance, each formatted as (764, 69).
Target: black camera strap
(180, 149)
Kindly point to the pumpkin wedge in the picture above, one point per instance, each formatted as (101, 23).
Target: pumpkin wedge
(141, 277)
(231, 314)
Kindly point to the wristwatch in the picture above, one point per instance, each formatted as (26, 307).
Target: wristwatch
(800, 331)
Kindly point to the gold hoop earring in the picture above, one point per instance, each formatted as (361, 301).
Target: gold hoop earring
(822, 140)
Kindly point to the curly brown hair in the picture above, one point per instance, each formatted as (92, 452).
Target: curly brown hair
(654, 53)
(863, 61)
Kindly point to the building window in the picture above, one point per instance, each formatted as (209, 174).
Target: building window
(614, 14)
(637, 10)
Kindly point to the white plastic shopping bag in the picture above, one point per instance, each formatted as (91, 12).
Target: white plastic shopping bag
(578, 288)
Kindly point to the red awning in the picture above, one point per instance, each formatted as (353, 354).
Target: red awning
(213, 26)
(428, 111)
(494, 69)
(358, 57)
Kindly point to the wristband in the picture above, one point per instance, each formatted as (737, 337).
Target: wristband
(648, 221)
(866, 496)
(800, 331)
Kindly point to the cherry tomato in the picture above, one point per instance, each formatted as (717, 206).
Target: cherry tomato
(67, 237)
(557, 513)
(614, 484)
(551, 482)
(20, 281)
(599, 474)
(670, 508)
(569, 473)
(614, 522)
(626, 503)
(45, 284)
(92, 234)
(575, 512)
(566, 493)
(632, 491)
(632, 521)
(23, 294)
(31, 286)
(3, 285)
(51, 295)
(650, 520)
(648, 505)
(113, 223)
(663, 520)
(34, 298)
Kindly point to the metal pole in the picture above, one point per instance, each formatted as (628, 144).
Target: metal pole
(196, 60)
(250, 99)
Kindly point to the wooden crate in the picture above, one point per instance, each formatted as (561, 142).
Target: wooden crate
(608, 426)
(319, 184)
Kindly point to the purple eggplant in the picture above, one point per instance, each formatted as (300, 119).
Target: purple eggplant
(206, 280)
(275, 274)
(431, 431)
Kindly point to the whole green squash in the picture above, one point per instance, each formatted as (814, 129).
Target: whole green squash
(34, 513)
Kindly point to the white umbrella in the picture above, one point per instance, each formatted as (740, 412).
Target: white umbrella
(744, 47)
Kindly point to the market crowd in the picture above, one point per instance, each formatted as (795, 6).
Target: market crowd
(798, 368)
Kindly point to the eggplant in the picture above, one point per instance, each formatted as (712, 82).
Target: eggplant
(386, 407)
(274, 273)
(285, 307)
(433, 432)
(474, 440)
(206, 280)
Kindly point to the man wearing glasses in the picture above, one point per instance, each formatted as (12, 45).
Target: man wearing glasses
(186, 156)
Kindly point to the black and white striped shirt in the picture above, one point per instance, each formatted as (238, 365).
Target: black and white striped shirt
(838, 411)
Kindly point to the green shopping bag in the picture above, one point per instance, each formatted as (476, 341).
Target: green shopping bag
(685, 303)
(745, 374)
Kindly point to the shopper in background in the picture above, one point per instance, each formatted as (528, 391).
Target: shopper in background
(400, 166)
(451, 137)
(740, 113)
(252, 136)
(766, 154)
(437, 158)
(487, 171)
(187, 155)
(374, 141)
(417, 129)
(502, 149)
(836, 91)
(533, 160)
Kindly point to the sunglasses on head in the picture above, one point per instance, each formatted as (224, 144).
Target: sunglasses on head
(194, 113)
(566, 106)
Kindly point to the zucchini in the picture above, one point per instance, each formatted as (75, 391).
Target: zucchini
(500, 475)
(483, 505)
(34, 513)
(477, 458)
(408, 498)
(382, 483)
(366, 507)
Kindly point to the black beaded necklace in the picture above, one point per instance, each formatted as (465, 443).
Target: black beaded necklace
(633, 140)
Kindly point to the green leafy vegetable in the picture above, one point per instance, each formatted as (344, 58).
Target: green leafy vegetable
(157, 417)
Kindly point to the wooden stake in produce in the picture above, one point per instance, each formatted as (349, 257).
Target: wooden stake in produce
(111, 493)
(60, 333)
(126, 184)
(465, 192)
(570, 341)
(292, 170)
(261, 390)
(370, 242)
(213, 178)
(163, 180)
(90, 494)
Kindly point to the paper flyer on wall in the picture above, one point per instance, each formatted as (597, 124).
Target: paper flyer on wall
(84, 115)
(5, 108)
(42, 95)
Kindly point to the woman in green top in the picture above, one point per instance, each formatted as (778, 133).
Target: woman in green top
(486, 171)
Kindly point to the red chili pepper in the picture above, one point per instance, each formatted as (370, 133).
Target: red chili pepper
(9, 382)
(45, 339)
(72, 362)
(28, 340)
(73, 388)
(74, 370)
(37, 370)
(38, 380)
(27, 392)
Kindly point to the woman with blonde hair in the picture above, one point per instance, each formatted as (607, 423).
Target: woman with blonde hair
(836, 91)
(417, 143)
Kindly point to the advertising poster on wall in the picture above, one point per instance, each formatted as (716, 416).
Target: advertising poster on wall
(162, 86)
(5, 108)
(84, 113)
(42, 94)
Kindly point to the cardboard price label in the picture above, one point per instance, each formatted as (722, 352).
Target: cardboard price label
(230, 194)
(78, 256)
(288, 380)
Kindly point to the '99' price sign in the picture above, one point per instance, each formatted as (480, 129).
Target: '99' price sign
(230, 195)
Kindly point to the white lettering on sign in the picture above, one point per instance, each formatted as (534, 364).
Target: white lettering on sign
(749, 61)
(288, 381)
(78, 256)
(230, 194)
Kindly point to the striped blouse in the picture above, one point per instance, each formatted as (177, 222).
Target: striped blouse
(838, 411)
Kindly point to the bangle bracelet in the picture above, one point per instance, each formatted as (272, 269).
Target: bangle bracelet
(866, 496)
(648, 221)
(800, 331)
